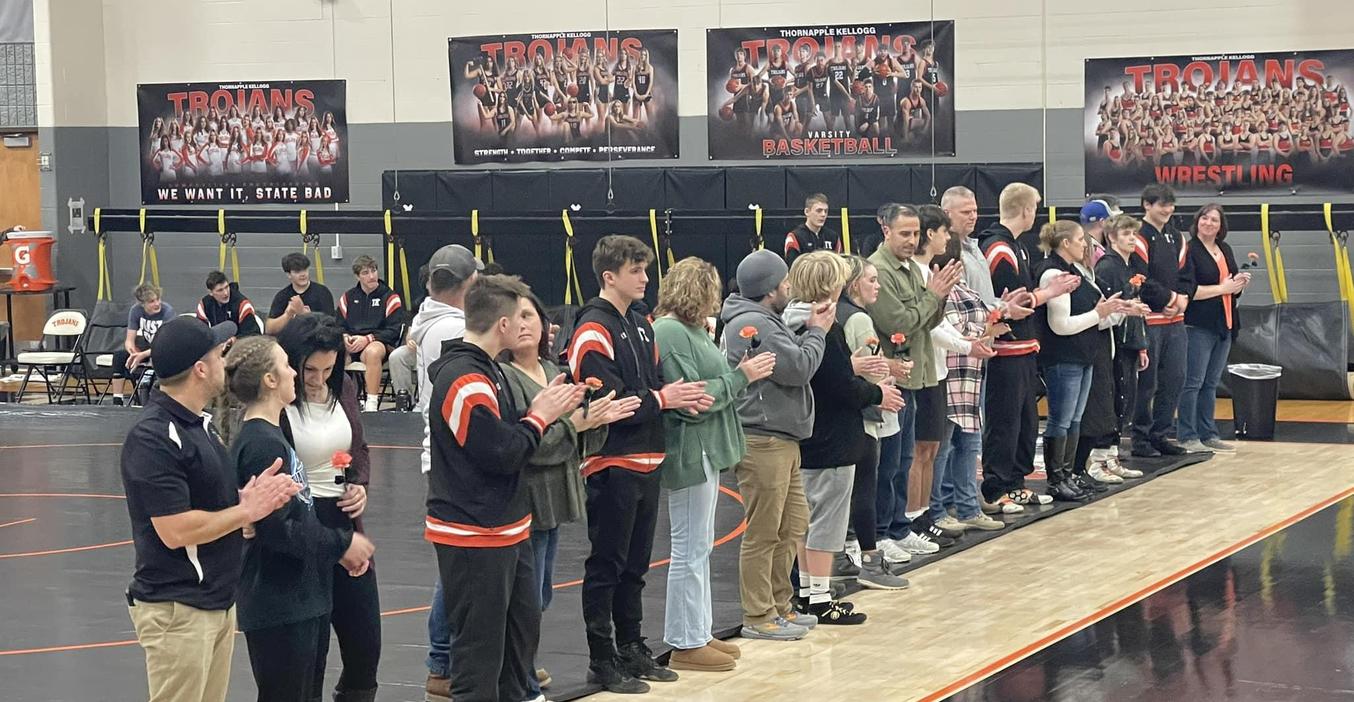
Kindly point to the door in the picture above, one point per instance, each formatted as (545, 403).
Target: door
(21, 205)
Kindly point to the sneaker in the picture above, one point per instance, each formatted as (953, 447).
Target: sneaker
(637, 661)
(917, 545)
(437, 689)
(778, 630)
(924, 526)
(982, 522)
(543, 677)
(728, 648)
(875, 576)
(706, 658)
(1169, 448)
(803, 619)
(1112, 465)
(371, 405)
(119, 401)
(893, 552)
(1026, 496)
(1099, 473)
(1003, 505)
(853, 551)
(1068, 491)
(1145, 451)
(1220, 446)
(1194, 446)
(1089, 486)
(831, 612)
(842, 567)
(612, 677)
(949, 524)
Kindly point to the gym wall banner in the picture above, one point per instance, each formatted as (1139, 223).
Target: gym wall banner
(564, 96)
(243, 143)
(1254, 122)
(877, 90)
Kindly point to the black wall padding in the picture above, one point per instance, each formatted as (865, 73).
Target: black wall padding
(639, 188)
(803, 182)
(868, 187)
(459, 191)
(1308, 340)
(417, 188)
(755, 185)
(990, 178)
(695, 188)
(946, 176)
(521, 191)
(583, 187)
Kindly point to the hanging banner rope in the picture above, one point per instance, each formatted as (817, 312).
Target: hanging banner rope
(846, 232)
(1270, 240)
(147, 253)
(571, 284)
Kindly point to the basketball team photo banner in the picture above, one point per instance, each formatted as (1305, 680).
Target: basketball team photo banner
(1223, 123)
(244, 143)
(847, 91)
(564, 96)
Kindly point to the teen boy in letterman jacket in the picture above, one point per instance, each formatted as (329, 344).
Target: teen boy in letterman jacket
(1161, 245)
(479, 520)
(614, 343)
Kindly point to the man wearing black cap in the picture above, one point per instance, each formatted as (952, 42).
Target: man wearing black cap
(186, 518)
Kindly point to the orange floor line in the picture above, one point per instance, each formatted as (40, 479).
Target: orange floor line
(17, 522)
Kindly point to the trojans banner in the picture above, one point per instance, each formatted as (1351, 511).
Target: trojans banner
(1246, 122)
(831, 91)
(564, 96)
(243, 143)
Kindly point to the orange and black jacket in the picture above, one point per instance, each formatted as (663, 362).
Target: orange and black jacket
(1009, 265)
(376, 313)
(619, 350)
(238, 310)
(481, 442)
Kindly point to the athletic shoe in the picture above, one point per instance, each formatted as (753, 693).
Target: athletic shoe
(1145, 451)
(437, 689)
(926, 527)
(728, 648)
(543, 677)
(832, 613)
(1089, 486)
(982, 522)
(917, 544)
(372, 404)
(1113, 465)
(949, 524)
(1220, 446)
(853, 551)
(1003, 505)
(611, 676)
(706, 658)
(804, 619)
(1068, 491)
(637, 661)
(842, 567)
(893, 552)
(1099, 473)
(778, 630)
(1194, 446)
(1169, 448)
(875, 576)
(1026, 496)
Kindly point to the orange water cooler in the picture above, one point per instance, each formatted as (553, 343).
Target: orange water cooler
(32, 260)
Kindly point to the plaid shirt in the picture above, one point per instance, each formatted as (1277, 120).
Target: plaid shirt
(966, 311)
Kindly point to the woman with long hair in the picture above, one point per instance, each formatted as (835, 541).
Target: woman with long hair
(554, 484)
(1214, 282)
(699, 447)
(291, 558)
(322, 421)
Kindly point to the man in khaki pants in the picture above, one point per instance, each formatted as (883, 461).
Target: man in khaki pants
(776, 414)
(187, 517)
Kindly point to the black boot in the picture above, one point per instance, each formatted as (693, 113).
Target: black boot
(1060, 486)
(1076, 463)
(611, 675)
(355, 695)
(637, 660)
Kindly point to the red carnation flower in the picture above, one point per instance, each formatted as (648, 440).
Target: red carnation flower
(1137, 280)
(898, 338)
(341, 459)
(593, 383)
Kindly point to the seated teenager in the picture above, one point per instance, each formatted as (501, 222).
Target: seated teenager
(300, 296)
(370, 313)
(225, 303)
(143, 320)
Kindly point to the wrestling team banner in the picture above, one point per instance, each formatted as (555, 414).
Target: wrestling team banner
(1253, 122)
(243, 143)
(564, 96)
(831, 91)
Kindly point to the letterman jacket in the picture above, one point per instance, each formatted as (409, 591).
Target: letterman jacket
(238, 309)
(1009, 265)
(1164, 252)
(481, 442)
(620, 351)
(376, 314)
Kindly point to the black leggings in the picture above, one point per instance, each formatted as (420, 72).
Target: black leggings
(280, 655)
(356, 616)
(863, 490)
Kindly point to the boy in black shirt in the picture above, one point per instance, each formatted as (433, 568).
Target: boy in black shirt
(812, 235)
(370, 313)
(300, 297)
(225, 303)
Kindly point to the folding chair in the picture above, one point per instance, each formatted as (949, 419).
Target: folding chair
(63, 324)
(106, 333)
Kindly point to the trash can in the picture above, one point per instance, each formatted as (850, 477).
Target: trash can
(1255, 397)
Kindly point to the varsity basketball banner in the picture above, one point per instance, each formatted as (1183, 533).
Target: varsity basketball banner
(564, 96)
(1254, 122)
(243, 143)
(877, 90)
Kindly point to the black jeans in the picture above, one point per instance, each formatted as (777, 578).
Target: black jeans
(1159, 386)
(1125, 389)
(120, 357)
(1010, 424)
(494, 612)
(356, 615)
(863, 493)
(622, 508)
(288, 659)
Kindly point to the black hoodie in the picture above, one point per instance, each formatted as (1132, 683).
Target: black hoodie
(1009, 265)
(376, 313)
(840, 398)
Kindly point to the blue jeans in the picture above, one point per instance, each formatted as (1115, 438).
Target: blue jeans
(689, 617)
(1203, 369)
(956, 482)
(1069, 385)
(439, 635)
(895, 459)
(545, 544)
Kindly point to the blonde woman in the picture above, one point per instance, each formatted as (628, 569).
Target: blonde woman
(698, 448)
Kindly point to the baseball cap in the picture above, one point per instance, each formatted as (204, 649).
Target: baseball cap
(183, 341)
(457, 259)
(1095, 211)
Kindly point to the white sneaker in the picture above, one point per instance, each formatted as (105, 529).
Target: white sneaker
(917, 545)
(893, 553)
(1195, 446)
(950, 523)
(853, 552)
(1112, 465)
(1100, 474)
(371, 404)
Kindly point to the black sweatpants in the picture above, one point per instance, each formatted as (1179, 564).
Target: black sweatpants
(863, 493)
(287, 659)
(622, 508)
(1010, 423)
(494, 613)
(1125, 388)
(356, 616)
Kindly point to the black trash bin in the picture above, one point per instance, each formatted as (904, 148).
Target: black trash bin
(1255, 398)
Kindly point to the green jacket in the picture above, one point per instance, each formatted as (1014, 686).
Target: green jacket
(688, 353)
(905, 305)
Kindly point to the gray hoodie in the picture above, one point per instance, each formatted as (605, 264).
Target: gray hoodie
(781, 405)
(435, 323)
